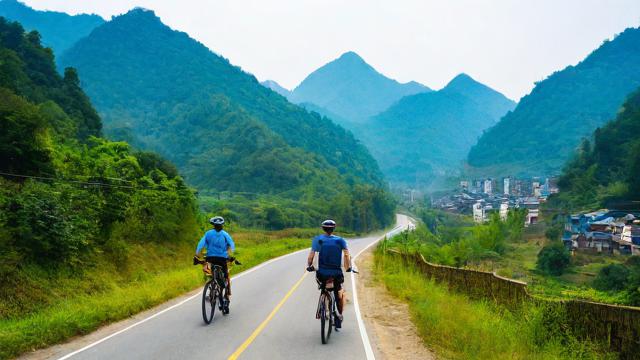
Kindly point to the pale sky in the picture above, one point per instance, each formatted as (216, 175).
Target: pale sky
(506, 44)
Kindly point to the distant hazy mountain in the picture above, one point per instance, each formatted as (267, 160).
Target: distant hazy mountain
(544, 130)
(432, 132)
(167, 92)
(352, 89)
(276, 87)
(58, 30)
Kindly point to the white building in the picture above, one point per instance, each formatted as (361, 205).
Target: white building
(537, 189)
(478, 212)
(533, 209)
(506, 182)
(488, 186)
(504, 211)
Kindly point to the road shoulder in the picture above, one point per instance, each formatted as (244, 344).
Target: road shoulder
(388, 321)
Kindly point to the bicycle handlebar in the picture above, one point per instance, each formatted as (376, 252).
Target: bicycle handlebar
(198, 261)
(312, 269)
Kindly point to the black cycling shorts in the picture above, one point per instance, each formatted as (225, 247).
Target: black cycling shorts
(337, 280)
(220, 261)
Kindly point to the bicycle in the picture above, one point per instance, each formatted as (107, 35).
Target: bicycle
(326, 311)
(214, 290)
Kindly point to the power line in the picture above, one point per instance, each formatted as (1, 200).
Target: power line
(81, 182)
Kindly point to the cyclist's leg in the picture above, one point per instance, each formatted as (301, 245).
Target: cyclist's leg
(339, 292)
(222, 262)
(228, 278)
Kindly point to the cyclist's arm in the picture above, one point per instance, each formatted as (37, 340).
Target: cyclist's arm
(201, 244)
(315, 246)
(347, 258)
(231, 246)
(312, 254)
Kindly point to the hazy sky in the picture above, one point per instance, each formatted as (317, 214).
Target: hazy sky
(506, 44)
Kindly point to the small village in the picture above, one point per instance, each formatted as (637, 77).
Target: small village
(607, 231)
(614, 232)
(482, 197)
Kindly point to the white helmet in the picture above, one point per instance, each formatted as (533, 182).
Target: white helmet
(329, 224)
(217, 220)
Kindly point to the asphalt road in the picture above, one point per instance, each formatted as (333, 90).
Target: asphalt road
(272, 316)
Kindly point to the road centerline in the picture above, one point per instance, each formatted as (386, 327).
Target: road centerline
(266, 321)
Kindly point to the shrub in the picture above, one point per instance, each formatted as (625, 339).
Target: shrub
(553, 259)
(612, 277)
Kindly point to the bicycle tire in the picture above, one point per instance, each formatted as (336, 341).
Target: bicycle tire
(325, 314)
(209, 301)
(223, 304)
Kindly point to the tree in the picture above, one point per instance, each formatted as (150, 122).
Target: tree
(553, 259)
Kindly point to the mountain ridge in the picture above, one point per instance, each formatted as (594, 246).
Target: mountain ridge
(351, 88)
(58, 30)
(273, 85)
(540, 135)
(426, 135)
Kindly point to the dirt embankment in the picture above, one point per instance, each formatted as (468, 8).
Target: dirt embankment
(392, 334)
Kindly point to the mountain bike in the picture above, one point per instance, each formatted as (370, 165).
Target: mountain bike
(326, 311)
(214, 290)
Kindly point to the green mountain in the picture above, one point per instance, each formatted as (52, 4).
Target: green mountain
(543, 131)
(352, 89)
(606, 168)
(276, 87)
(428, 134)
(67, 194)
(58, 30)
(164, 91)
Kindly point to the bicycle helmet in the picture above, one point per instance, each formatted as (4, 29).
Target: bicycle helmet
(329, 224)
(217, 220)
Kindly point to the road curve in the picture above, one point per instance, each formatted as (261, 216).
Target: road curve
(272, 316)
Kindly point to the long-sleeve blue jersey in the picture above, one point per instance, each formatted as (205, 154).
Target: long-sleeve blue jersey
(217, 243)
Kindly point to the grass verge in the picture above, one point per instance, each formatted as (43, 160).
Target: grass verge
(459, 328)
(78, 304)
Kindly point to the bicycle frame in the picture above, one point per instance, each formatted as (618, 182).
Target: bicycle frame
(326, 309)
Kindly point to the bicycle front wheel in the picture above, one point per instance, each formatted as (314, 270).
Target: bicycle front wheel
(209, 301)
(326, 318)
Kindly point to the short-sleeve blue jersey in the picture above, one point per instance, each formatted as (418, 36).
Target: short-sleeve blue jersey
(330, 248)
(216, 243)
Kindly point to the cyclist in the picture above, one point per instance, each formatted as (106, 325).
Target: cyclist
(331, 248)
(220, 247)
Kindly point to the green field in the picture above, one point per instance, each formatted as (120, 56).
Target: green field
(519, 262)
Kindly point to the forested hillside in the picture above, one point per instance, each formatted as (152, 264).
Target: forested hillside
(59, 30)
(607, 167)
(538, 137)
(427, 134)
(68, 195)
(162, 90)
(352, 89)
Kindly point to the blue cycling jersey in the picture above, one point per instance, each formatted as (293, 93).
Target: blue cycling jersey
(330, 248)
(216, 243)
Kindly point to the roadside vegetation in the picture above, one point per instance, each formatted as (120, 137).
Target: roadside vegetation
(456, 327)
(65, 304)
(91, 230)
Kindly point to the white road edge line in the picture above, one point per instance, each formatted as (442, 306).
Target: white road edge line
(363, 331)
(368, 350)
(248, 271)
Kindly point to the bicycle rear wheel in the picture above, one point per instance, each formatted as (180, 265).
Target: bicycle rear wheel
(326, 318)
(209, 295)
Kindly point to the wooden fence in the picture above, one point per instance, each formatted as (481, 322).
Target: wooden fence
(617, 326)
